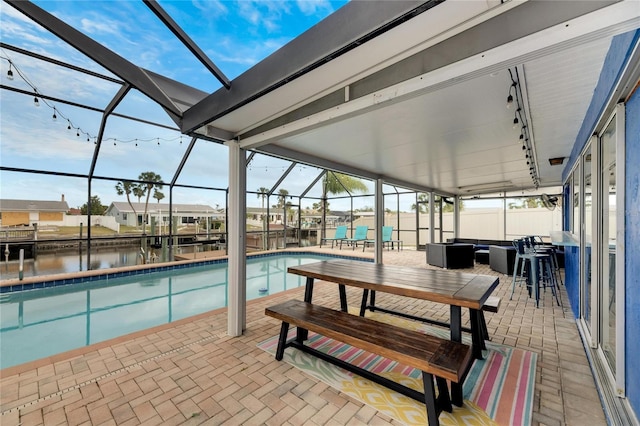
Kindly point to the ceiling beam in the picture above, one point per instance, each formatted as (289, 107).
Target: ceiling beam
(466, 56)
(342, 31)
(130, 73)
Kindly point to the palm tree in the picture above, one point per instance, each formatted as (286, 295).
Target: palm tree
(337, 183)
(138, 191)
(150, 181)
(262, 194)
(158, 195)
(127, 187)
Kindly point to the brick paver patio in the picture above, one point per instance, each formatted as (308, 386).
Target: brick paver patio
(191, 372)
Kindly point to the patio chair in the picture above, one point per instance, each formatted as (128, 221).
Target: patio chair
(359, 236)
(341, 234)
(387, 233)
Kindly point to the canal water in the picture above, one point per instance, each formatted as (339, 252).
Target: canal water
(70, 261)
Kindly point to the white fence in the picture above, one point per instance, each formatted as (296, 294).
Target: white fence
(76, 220)
(486, 224)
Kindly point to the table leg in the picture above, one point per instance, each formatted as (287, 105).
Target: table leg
(477, 336)
(301, 333)
(534, 279)
(343, 298)
(372, 304)
(363, 304)
(308, 291)
(456, 336)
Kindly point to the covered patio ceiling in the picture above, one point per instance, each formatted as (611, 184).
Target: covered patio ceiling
(424, 104)
(411, 92)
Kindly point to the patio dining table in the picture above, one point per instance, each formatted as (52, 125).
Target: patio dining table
(457, 289)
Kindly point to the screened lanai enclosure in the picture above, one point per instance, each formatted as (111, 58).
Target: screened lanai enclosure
(137, 132)
(96, 134)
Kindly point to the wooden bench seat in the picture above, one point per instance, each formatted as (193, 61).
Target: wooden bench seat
(492, 304)
(434, 356)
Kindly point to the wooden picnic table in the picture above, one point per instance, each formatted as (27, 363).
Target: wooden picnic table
(457, 289)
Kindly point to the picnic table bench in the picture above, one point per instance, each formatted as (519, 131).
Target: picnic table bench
(437, 358)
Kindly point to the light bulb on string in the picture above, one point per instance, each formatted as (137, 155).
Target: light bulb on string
(54, 117)
(77, 133)
(10, 72)
(36, 102)
(510, 97)
(68, 125)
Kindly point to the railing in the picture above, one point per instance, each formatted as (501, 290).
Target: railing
(14, 234)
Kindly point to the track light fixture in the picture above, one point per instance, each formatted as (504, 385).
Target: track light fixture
(515, 96)
(510, 97)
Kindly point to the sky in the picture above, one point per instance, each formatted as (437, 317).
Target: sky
(235, 35)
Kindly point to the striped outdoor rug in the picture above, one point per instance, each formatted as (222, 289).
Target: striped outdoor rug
(498, 389)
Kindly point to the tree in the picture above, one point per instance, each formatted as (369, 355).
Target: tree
(423, 202)
(158, 195)
(337, 183)
(126, 187)
(138, 191)
(447, 205)
(282, 198)
(96, 207)
(150, 181)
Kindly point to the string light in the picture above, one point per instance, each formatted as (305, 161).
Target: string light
(520, 118)
(510, 97)
(57, 113)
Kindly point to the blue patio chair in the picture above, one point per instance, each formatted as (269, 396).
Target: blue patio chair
(387, 235)
(341, 234)
(359, 236)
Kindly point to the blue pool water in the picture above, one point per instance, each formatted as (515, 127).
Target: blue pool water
(46, 321)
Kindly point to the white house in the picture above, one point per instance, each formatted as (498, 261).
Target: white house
(183, 213)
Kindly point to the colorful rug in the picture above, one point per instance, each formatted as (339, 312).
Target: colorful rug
(497, 391)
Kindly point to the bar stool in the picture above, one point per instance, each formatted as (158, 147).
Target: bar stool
(547, 276)
(519, 264)
(555, 266)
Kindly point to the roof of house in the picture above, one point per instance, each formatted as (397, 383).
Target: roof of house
(124, 207)
(33, 206)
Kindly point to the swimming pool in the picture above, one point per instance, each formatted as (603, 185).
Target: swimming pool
(46, 321)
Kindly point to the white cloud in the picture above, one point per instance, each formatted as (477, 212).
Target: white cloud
(312, 7)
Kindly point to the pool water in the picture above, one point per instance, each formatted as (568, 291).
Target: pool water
(44, 322)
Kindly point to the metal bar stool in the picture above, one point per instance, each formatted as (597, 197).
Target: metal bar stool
(519, 265)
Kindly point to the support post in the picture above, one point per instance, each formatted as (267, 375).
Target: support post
(236, 241)
(379, 218)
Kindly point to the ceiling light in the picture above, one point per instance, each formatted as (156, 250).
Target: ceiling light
(556, 161)
(486, 186)
(510, 97)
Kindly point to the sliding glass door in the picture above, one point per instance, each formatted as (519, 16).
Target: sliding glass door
(595, 184)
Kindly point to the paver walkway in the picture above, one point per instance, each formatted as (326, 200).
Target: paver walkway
(191, 372)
